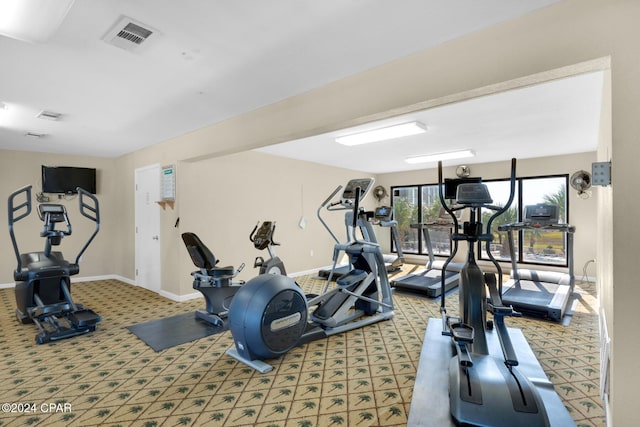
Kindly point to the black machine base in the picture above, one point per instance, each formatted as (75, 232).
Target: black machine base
(430, 405)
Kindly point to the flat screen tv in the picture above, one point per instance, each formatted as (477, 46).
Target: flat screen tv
(65, 179)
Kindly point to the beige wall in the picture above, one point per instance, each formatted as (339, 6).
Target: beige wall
(582, 212)
(553, 38)
(21, 168)
(538, 44)
(222, 199)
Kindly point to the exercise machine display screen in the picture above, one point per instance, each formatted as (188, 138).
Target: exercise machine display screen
(349, 192)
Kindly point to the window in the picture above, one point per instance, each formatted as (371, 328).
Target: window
(405, 210)
(538, 246)
(421, 203)
(417, 204)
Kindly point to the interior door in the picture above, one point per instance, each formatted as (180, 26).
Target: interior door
(147, 227)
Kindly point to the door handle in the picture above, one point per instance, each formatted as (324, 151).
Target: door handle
(155, 238)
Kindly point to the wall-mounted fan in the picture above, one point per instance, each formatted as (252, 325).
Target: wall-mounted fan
(581, 182)
(379, 192)
(463, 171)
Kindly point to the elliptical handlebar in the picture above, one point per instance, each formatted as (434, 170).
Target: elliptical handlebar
(90, 211)
(326, 203)
(454, 250)
(497, 213)
(13, 218)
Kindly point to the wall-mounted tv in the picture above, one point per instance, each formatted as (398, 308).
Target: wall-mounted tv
(65, 179)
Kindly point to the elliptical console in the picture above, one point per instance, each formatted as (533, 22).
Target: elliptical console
(262, 238)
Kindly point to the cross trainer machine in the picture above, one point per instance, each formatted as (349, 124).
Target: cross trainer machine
(270, 314)
(539, 293)
(43, 284)
(493, 377)
(391, 263)
(262, 238)
(428, 280)
(213, 282)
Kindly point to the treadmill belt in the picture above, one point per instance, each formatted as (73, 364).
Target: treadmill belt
(421, 279)
(533, 293)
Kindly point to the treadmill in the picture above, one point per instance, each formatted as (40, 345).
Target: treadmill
(429, 279)
(383, 216)
(538, 293)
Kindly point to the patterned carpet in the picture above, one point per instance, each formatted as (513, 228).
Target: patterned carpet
(361, 378)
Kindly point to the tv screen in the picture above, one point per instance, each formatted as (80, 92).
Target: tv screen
(65, 179)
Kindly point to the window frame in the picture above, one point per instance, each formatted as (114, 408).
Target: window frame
(520, 208)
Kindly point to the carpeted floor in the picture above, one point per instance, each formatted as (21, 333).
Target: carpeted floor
(361, 378)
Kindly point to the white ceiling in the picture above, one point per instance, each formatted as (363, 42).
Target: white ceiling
(558, 117)
(212, 59)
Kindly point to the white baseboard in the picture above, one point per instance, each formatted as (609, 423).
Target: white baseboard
(180, 298)
(83, 279)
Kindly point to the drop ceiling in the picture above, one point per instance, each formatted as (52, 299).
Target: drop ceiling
(210, 60)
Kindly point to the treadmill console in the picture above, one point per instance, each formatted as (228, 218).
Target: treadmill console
(541, 214)
(383, 213)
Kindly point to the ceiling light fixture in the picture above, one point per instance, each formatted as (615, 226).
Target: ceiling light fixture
(32, 21)
(461, 154)
(382, 134)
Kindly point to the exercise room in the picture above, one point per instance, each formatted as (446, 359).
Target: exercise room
(298, 213)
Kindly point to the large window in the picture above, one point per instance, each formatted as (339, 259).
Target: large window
(417, 204)
(421, 203)
(530, 246)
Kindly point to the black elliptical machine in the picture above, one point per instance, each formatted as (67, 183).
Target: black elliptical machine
(262, 238)
(43, 284)
(487, 388)
(214, 283)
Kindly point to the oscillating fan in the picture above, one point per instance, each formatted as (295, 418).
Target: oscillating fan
(380, 192)
(581, 181)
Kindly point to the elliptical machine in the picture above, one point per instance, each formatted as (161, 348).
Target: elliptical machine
(43, 284)
(213, 282)
(485, 388)
(270, 314)
(263, 239)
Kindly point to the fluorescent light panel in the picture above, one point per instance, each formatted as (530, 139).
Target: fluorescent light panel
(382, 134)
(461, 154)
(32, 21)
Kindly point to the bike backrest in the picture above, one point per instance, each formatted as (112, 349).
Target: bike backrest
(201, 256)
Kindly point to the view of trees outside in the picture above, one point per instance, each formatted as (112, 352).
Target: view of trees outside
(405, 211)
(421, 203)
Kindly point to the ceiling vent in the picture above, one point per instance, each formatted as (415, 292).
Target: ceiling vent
(129, 34)
(49, 115)
(35, 135)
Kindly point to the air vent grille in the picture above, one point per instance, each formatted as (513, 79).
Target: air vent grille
(134, 33)
(49, 115)
(35, 135)
(129, 34)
